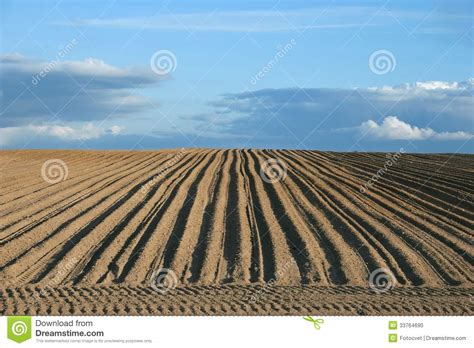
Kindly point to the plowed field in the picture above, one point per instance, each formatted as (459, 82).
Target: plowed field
(224, 232)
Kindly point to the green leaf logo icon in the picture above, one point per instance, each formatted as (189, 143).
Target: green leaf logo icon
(19, 329)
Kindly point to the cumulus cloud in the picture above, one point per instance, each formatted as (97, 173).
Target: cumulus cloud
(303, 113)
(394, 129)
(11, 135)
(34, 91)
(116, 130)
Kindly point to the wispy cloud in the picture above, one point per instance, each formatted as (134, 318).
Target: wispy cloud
(324, 17)
(233, 21)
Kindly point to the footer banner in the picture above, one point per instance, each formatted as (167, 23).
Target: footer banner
(236, 331)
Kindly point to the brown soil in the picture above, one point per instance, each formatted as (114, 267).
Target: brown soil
(237, 244)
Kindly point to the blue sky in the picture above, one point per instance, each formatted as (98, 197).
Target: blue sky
(327, 75)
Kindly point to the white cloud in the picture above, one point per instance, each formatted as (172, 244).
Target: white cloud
(441, 105)
(86, 132)
(115, 130)
(9, 135)
(34, 90)
(92, 67)
(428, 90)
(432, 85)
(394, 129)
